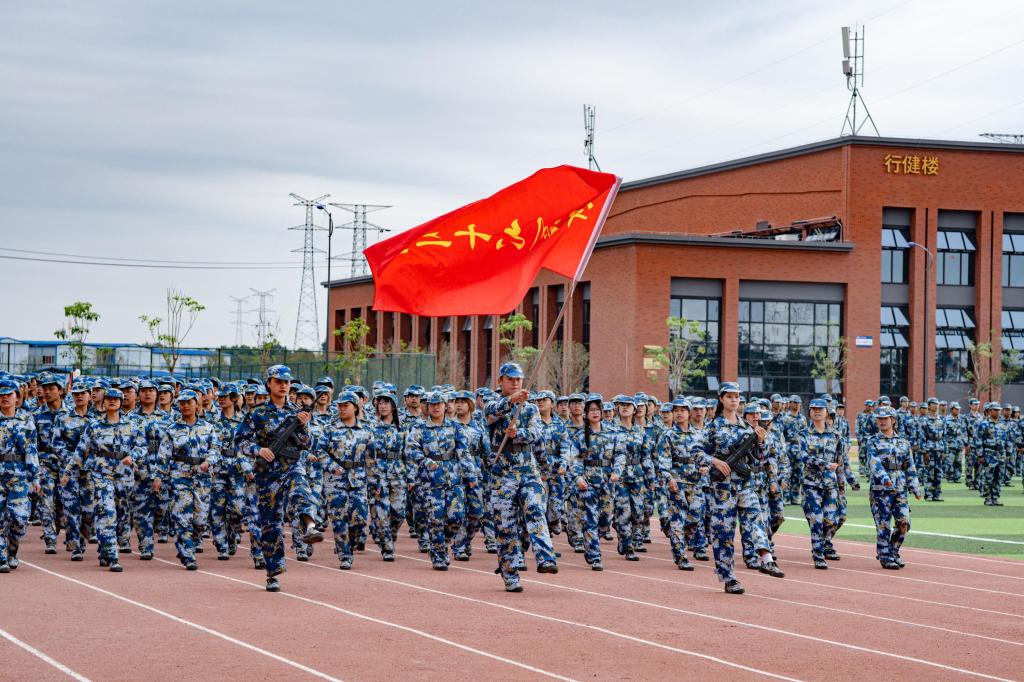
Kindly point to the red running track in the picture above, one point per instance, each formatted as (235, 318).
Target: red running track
(945, 616)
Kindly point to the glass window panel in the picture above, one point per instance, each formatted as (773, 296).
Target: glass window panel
(901, 319)
(955, 241)
(776, 333)
(1017, 317)
(674, 307)
(1006, 270)
(888, 239)
(888, 317)
(802, 313)
(744, 383)
(1016, 271)
(820, 335)
(757, 333)
(900, 340)
(940, 341)
(1006, 342)
(898, 273)
(775, 352)
(713, 309)
(887, 266)
(942, 242)
(695, 308)
(901, 240)
(940, 317)
(801, 334)
(886, 340)
(968, 241)
(1006, 322)
(1018, 242)
(1008, 244)
(968, 320)
(833, 334)
(833, 312)
(744, 311)
(756, 384)
(776, 311)
(955, 341)
(757, 311)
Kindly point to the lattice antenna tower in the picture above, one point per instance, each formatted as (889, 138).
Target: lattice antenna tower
(588, 143)
(238, 315)
(1005, 138)
(307, 326)
(262, 328)
(360, 227)
(853, 69)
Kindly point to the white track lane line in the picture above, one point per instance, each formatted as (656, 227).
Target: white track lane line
(612, 633)
(43, 657)
(918, 563)
(731, 621)
(196, 626)
(922, 550)
(834, 609)
(1017, 543)
(378, 621)
(857, 590)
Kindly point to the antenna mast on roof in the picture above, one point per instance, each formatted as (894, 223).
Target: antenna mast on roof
(588, 143)
(853, 69)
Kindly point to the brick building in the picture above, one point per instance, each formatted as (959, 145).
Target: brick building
(909, 249)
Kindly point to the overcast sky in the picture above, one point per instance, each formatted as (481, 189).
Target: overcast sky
(175, 131)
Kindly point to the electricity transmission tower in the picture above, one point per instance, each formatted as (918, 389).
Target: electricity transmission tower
(307, 328)
(262, 328)
(238, 317)
(360, 228)
(853, 69)
(588, 143)
(1005, 138)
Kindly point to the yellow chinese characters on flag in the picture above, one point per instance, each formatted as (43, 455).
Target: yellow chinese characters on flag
(482, 258)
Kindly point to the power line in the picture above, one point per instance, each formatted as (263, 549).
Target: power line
(147, 260)
(151, 266)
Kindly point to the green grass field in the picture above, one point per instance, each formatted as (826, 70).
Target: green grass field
(962, 513)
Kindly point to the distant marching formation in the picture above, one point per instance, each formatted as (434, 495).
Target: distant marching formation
(216, 459)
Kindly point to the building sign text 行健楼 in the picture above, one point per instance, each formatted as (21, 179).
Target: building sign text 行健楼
(911, 164)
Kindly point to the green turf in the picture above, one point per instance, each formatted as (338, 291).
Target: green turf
(962, 513)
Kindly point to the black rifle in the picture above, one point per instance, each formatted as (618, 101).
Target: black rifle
(736, 457)
(283, 443)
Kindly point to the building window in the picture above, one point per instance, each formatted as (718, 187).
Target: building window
(777, 344)
(467, 348)
(489, 352)
(954, 336)
(585, 314)
(1013, 260)
(955, 266)
(894, 255)
(1013, 344)
(705, 313)
(894, 351)
(535, 317)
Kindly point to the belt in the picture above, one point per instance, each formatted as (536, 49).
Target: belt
(442, 458)
(349, 465)
(596, 463)
(187, 460)
(680, 460)
(390, 456)
(12, 457)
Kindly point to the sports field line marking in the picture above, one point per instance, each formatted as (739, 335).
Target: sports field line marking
(918, 563)
(887, 595)
(197, 626)
(755, 626)
(927, 532)
(833, 567)
(43, 657)
(799, 603)
(597, 628)
(923, 550)
(378, 621)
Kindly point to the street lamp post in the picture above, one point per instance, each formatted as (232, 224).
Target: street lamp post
(927, 267)
(330, 233)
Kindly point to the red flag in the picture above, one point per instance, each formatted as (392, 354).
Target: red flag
(482, 258)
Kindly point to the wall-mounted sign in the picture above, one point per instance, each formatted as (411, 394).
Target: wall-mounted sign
(864, 341)
(907, 164)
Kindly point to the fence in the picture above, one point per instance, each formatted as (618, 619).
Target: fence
(400, 369)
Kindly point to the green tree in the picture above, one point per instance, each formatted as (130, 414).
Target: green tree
(685, 355)
(79, 318)
(509, 330)
(983, 383)
(829, 365)
(169, 333)
(351, 362)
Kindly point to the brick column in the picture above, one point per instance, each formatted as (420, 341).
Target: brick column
(730, 332)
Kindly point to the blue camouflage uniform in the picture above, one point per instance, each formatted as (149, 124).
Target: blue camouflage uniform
(821, 486)
(932, 430)
(76, 493)
(348, 449)
(600, 455)
(479, 445)
(955, 437)
(991, 439)
(230, 500)
(19, 472)
(679, 453)
(794, 426)
(893, 473)
(144, 499)
(387, 486)
(553, 454)
(49, 468)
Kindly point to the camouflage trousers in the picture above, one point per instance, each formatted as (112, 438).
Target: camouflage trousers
(445, 508)
(651, 497)
(796, 476)
(599, 488)
(954, 464)
(124, 486)
(188, 509)
(386, 489)
(144, 502)
(554, 495)
(462, 542)
(572, 514)
(230, 503)
(971, 469)
(47, 506)
(15, 509)
(754, 526)
(684, 514)
(347, 511)
(74, 496)
(105, 515)
(731, 501)
(990, 478)
(821, 510)
(892, 522)
(303, 501)
(630, 505)
(934, 469)
(273, 486)
(518, 490)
